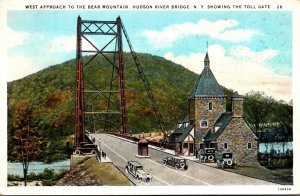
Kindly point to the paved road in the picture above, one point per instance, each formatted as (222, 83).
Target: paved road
(120, 151)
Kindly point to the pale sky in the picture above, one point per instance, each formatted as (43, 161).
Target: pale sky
(246, 53)
(248, 50)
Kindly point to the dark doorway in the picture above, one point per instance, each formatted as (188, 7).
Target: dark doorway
(191, 148)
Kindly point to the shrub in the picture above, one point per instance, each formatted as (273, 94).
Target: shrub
(48, 182)
(49, 177)
(12, 177)
(32, 176)
(60, 174)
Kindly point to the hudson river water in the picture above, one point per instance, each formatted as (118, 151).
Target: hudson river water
(276, 145)
(37, 167)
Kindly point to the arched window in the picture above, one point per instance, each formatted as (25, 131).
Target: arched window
(225, 145)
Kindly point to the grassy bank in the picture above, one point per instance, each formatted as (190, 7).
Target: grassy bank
(90, 172)
(279, 176)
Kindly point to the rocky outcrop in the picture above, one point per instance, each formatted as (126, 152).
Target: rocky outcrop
(90, 172)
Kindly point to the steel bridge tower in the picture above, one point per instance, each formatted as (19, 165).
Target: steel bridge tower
(100, 101)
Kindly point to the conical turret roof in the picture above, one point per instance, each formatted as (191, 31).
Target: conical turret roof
(207, 85)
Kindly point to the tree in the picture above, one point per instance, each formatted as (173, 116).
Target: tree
(229, 93)
(27, 144)
(285, 118)
(258, 111)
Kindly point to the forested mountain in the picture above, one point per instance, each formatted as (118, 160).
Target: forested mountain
(48, 98)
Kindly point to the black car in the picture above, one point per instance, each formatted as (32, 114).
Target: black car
(207, 155)
(86, 148)
(176, 162)
(227, 160)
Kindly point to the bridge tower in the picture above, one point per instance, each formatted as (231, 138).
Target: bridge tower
(100, 98)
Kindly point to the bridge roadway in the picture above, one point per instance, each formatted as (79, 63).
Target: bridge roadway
(120, 151)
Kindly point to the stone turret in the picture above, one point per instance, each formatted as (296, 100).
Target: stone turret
(206, 103)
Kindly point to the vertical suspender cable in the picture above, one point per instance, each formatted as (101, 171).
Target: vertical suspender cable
(158, 115)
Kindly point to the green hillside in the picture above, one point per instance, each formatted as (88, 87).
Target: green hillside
(47, 100)
(51, 92)
(50, 95)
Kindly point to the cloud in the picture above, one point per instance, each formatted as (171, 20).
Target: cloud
(240, 69)
(242, 52)
(15, 38)
(57, 49)
(235, 35)
(63, 44)
(16, 66)
(68, 44)
(218, 30)
(19, 67)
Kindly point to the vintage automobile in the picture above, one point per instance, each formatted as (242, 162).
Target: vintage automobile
(207, 154)
(176, 162)
(226, 160)
(86, 148)
(136, 170)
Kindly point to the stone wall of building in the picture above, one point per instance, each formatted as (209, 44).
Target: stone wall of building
(237, 135)
(201, 111)
(237, 106)
(192, 110)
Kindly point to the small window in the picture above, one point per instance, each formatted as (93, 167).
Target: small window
(249, 145)
(185, 125)
(185, 145)
(203, 123)
(225, 145)
(210, 106)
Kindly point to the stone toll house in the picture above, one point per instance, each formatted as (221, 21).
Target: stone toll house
(209, 125)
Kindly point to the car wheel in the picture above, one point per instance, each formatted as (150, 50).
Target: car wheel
(165, 162)
(177, 166)
(77, 152)
(229, 162)
(182, 165)
(139, 179)
(210, 157)
(93, 152)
